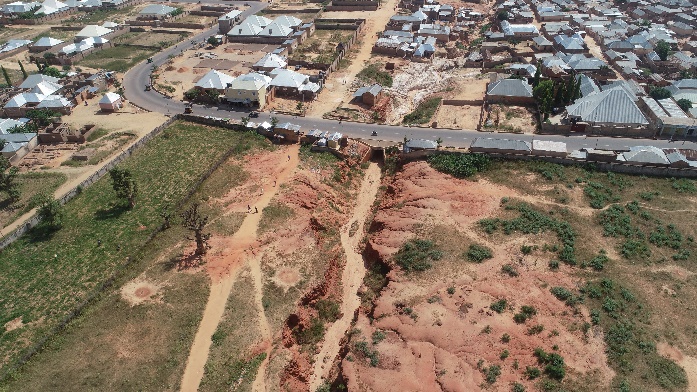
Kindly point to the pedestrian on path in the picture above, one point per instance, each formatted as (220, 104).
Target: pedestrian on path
(256, 211)
(249, 209)
(288, 158)
(274, 182)
(262, 191)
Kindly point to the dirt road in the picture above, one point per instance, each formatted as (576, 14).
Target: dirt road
(224, 272)
(337, 89)
(352, 277)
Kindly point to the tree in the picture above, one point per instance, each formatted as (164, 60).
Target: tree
(577, 89)
(2, 143)
(660, 93)
(6, 76)
(124, 185)
(50, 212)
(52, 71)
(192, 220)
(536, 78)
(213, 41)
(503, 15)
(42, 117)
(662, 49)
(685, 104)
(274, 122)
(544, 94)
(244, 121)
(8, 174)
(24, 71)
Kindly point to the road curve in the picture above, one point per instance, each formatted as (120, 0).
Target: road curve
(136, 79)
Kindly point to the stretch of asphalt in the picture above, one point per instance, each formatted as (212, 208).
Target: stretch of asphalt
(139, 76)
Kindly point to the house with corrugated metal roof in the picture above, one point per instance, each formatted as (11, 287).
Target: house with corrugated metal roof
(369, 95)
(510, 91)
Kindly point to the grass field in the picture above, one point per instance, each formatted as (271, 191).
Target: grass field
(42, 279)
(321, 47)
(117, 58)
(423, 113)
(30, 184)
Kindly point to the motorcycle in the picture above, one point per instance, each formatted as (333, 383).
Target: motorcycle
(374, 133)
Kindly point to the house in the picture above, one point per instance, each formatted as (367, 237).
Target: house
(287, 131)
(570, 44)
(526, 70)
(214, 80)
(369, 95)
(440, 32)
(542, 44)
(419, 145)
(548, 148)
(501, 146)
(518, 31)
(644, 155)
(44, 43)
(85, 44)
(274, 29)
(510, 91)
(19, 7)
(17, 145)
(110, 102)
(270, 62)
(156, 11)
(57, 103)
(49, 7)
(249, 89)
(14, 44)
(287, 82)
(226, 21)
(611, 107)
(91, 31)
(250, 27)
(34, 79)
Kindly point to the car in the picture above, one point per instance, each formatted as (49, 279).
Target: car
(254, 114)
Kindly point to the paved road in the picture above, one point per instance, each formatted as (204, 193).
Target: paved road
(136, 79)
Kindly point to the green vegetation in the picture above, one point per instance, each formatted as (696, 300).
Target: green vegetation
(478, 253)
(491, 373)
(96, 134)
(311, 335)
(328, 310)
(116, 58)
(274, 215)
(364, 349)
(498, 306)
(373, 73)
(662, 49)
(630, 346)
(423, 113)
(685, 104)
(526, 312)
(531, 221)
(378, 336)
(554, 363)
(532, 372)
(166, 168)
(417, 254)
(459, 165)
(660, 93)
(509, 270)
(29, 186)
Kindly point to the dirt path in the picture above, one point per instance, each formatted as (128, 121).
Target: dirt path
(337, 89)
(223, 273)
(351, 279)
(264, 328)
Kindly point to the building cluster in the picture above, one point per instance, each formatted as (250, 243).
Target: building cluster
(634, 61)
(417, 35)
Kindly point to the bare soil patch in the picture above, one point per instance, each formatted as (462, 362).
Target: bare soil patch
(139, 291)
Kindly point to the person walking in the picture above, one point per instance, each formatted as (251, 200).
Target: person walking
(249, 209)
(256, 211)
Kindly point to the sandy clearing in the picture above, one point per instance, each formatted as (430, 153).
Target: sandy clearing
(337, 89)
(223, 271)
(351, 279)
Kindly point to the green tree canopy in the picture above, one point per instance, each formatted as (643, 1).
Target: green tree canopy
(685, 104)
(662, 49)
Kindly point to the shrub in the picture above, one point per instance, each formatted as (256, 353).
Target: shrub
(684, 185)
(526, 249)
(595, 316)
(669, 236)
(459, 165)
(451, 290)
(416, 255)
(561, 293)
(378, 336)
(598, 262)
(498, 306)
(504, 354)
(554, 363)
(635, 248)
(363, 348)
(509, 270)
(505, 338)
(478, 253)
(423, 113)
(536, 329)
(492, 373)
(328, 310)
(553, 265)
(526, 312)
(312, 334)
(668, 374)
(532, 372)
(517, 387)
(373, 74)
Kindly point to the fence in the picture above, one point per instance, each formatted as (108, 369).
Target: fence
(121, 269)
